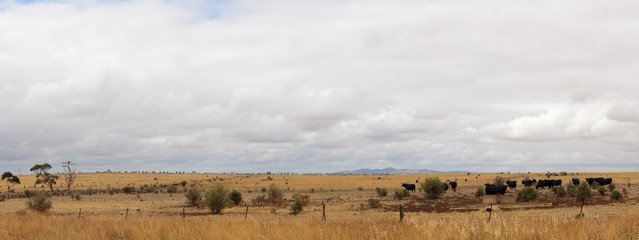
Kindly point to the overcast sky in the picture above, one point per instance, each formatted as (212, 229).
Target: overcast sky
(320, 86)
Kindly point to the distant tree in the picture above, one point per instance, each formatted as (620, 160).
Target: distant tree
(11, 180)
(43, 176)
(582, 195)
(69, 174)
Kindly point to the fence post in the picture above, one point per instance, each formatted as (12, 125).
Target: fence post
(401, 213)
(323, 212)
(80, 212)
(490, 212)
(246, 213)
(127, 214)
(183, 213)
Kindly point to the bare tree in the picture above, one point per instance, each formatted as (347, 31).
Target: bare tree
(69, 174)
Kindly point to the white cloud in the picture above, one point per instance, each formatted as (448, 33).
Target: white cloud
(317, 85)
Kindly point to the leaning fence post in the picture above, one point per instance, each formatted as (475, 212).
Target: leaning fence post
(323, 212)
(127, 214)
(80, 212)
(246, 213)
(401, 213)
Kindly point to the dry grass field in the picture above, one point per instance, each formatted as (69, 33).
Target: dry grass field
(157, 214)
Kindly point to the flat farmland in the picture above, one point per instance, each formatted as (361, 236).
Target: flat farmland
(154, 212)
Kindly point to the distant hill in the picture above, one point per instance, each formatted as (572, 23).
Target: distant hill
(393, 171)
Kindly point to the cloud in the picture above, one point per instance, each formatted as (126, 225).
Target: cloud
(318, 85)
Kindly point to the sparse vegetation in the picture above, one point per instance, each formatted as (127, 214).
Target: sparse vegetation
(381, 192)
(235, 196)
(193, 196)
(433, 188)
(39, 202)
(373, 203)
(480, 192)
(216, 199)
(559, 191)
(527, 194)
(274, 192)
(401, 194)
(615, 194)
(601, 190)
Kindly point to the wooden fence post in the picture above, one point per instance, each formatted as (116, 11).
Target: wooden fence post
(246, 213)
(183, 213)
(80, 212)
(323, 211)
(401, 213)
(127, 214)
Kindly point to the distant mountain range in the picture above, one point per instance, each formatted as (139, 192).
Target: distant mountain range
(393, 171)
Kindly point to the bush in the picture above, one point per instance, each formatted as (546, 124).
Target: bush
(183, 183)
(263, 189)
(360, 189)
(583, 192)
(615, 194)
(76, 196)
(193, 196)
(499, 181)
(216, 199)
(612, 187)
(39, 202)
(127, 190)
(595, 185)
(296, 207)
(433, 188)
(172, 189)
(527, 194)
(559, 191)
(275, 192)
(571, 190)
(235, 196)
(601, 190)
(480, 192)
(304, 199)
(400, 194)
(382, 192)
(373, 203)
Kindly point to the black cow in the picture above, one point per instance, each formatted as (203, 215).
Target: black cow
(600, 180)
(417, 181)
(512, 184)
(534, 181)
(527, 183)
(409, 187)
(445, 187)
(493, 189)
(575, 181)
(548, 183)
(453, 185)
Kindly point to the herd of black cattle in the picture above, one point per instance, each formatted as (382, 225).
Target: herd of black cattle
(495, 189)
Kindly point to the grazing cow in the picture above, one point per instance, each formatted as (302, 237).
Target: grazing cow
(493, 189)
(512, 184)
(417, 181)
(548, 183)
(445, 187)
(600, 180)
(466, 180)
(534, 181)
(527, 183)
(453, 185)
(575, 181)
(409, 187)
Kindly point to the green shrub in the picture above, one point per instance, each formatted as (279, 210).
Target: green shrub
(39, 202)
(236, 197)
(615, 194)
(296, 207)
(612, 187)
(183, 183)
(583, 192)
(400, 194)
(527, 194)
(480, 192)
(373, 203)
(382, 192)
(216, 199)
(433, 188)
(275, 192)
(559, 191)
(571, 190)
(193, 196)
(499, 181)
(594, 185)
(125, 190)
(601, 190)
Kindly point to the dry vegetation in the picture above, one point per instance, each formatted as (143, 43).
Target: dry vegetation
(457, 215)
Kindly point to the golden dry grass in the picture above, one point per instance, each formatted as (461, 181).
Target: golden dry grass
(158, 215)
